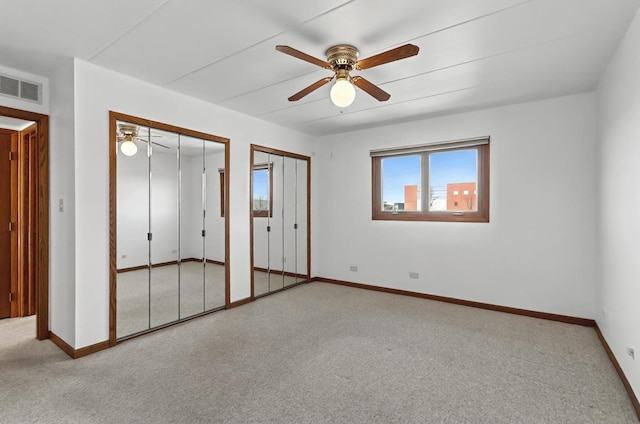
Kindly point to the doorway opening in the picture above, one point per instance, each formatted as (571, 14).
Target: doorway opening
(24, 218)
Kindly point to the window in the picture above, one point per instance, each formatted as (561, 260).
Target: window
(435, 182)
(262, 190)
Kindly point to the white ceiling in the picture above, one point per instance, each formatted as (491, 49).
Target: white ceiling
(473, 53)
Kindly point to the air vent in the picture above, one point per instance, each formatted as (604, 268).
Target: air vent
(9, 86)
(21, 89)
(29, 91)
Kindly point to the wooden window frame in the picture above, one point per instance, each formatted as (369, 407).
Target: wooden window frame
(480, 144)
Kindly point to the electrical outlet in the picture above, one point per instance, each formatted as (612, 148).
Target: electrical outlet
(414, 275)
(353, 268)
(631, 351)
(174, 251)
(124, 256)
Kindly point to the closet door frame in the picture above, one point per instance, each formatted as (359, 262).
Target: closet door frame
(283, 153)
(114, 117)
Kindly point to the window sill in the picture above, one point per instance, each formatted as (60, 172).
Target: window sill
(432, 216)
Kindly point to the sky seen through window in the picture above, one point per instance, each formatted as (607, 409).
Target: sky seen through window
(445, 168)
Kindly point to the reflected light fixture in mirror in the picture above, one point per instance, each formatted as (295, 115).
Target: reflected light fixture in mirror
(128, 147)
(127, 133)
(343, 93)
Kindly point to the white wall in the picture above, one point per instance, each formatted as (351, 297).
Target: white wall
(619, 176)
(62, 259)
(97, 91)
(214, 222)
(133, 210)
(538, 252)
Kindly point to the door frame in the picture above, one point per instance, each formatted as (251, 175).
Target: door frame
(283, 153)
(41, 265)
(114, 117)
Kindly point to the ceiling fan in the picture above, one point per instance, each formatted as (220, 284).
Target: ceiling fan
(127, 134)
(342, 59)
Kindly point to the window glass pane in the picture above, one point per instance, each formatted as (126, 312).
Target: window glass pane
(401, 183)
(261, 190)
(453, 179)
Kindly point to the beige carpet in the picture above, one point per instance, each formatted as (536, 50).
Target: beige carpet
(270, 282)
(320, 353)
(141, 305)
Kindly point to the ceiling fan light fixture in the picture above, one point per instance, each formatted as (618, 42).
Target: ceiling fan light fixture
(128, 148)
(343, 93)
(342, 59)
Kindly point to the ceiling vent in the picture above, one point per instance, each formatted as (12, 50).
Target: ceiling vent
(20, 89)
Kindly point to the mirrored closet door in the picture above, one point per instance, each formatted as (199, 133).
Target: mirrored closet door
(169, 243)
(280, 202)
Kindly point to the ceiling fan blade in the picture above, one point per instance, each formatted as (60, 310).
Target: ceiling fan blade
(303, 56)
(300, 94)
(153, 142)
(161, 145)
(392, 55)
(371, 89)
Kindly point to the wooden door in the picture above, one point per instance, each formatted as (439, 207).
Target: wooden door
(18, 224)
(26, 213)
(7, 220)
(39, 189)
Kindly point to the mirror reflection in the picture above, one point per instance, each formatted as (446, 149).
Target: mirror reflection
(170, 256)
(280, 202)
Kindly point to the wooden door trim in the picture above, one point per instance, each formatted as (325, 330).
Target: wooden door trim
(42, 216)
(27, 179)
(284, 153)
(114, 117)
(10, 308)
